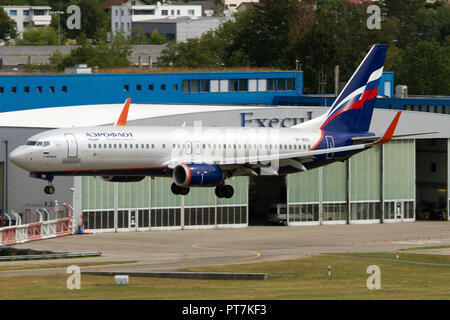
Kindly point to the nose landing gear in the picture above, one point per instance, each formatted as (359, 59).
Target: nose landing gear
(49, 189)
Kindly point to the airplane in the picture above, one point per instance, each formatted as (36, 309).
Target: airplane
(207, 156)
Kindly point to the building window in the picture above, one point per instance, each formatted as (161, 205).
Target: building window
(26, 24)
(164, 12)
(117, 25)
(39, 12)
(178, 12)
(13, 13)
(271, 84)
(172, 12)
(290, 84)
(191, 12)
(117, 12)
(26, 12)
(185, 85)
(238, 85)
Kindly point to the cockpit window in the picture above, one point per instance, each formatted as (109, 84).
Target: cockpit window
(30, 143)
(39, 144)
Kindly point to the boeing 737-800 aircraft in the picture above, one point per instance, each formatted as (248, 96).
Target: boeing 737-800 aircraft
(207, 156)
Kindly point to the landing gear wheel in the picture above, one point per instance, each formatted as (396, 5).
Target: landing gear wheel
(224, 191)
(49, 189)
(184, 191)
(228, 191)
(177, 190)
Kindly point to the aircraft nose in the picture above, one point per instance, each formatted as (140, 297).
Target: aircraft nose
(19, 156)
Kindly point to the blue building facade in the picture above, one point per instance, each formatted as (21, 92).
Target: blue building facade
(19, 92)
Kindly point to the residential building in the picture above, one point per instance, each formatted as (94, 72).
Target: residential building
(181, 29)
(232, 5)
(28, 16)
(122, 16)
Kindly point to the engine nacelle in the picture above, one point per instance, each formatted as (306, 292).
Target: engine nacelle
(197, 175)
(123, 178)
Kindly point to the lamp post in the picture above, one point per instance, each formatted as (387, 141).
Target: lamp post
(59, 25)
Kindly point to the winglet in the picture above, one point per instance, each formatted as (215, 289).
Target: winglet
(122, 121)
(390, 131)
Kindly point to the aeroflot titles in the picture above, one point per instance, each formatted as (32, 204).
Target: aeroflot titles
(109, 134)
(272, 122)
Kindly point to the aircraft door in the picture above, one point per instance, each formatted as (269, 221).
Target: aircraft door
(330, 144)
(72, 145)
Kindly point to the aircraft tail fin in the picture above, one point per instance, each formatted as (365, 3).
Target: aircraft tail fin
(353, 108)
(122, 121)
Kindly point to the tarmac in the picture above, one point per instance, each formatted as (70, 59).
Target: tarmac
(164, 251)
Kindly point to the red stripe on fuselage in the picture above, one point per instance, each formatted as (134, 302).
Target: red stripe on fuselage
(95, 170)
(358, 104)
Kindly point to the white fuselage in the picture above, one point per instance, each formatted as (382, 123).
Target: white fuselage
(95, 150)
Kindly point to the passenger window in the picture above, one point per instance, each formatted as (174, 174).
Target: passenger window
(131, 146)
(89, 145)
(105, 146)
(46, 143)
(142, 146)
(120, 146)
(125, 145)
(147, 146)
(111, 146)
(99, 145)
(153, 146)
(95, 146)
(164, 146)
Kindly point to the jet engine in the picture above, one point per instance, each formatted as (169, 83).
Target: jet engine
(197, 175)
(123, 178)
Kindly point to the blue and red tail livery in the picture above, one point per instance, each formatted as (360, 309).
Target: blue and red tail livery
(353, 108)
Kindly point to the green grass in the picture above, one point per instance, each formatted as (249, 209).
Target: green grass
(13, 267)
(430, 258)
(425, 248)
(305, 278)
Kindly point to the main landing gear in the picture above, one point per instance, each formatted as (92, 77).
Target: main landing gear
(177, 190)
(224, 191)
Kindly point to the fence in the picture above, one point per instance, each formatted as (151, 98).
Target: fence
(36, 224)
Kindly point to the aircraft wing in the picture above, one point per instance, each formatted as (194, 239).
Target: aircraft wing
(296, 157)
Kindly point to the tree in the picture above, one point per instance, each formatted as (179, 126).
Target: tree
(7, 29)
(425, 68)
(156, 38)
(93, 20)
(40, 36)
(104, 55)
